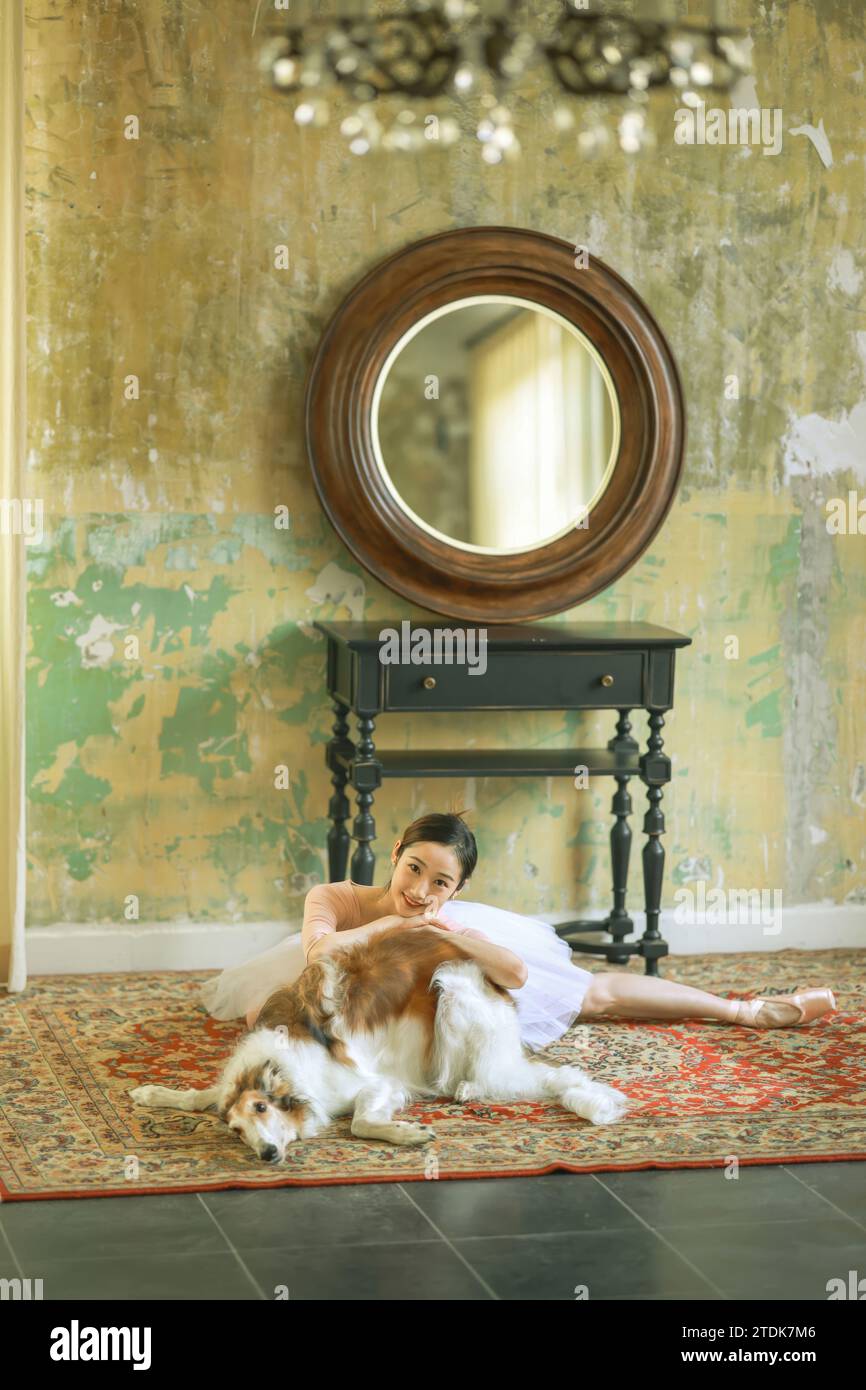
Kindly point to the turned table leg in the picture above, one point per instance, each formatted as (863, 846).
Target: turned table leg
(619, 923)
(340, 752)
(366, 777)
(655, 769)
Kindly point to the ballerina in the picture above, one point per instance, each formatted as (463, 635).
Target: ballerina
(432, 862)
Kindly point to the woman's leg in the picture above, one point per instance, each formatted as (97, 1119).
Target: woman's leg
(616, 995)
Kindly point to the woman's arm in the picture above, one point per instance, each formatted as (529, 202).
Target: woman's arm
(324, 941)
(327, 908)
(499, 964)
(320, 935)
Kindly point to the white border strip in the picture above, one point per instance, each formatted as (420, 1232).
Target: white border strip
(96, 949)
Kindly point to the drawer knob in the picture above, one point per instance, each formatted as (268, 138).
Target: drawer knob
(429, 682)
(607, 680)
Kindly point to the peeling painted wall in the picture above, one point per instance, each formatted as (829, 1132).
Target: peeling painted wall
(151, 769)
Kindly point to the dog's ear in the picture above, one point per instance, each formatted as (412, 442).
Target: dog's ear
(271, 1083)
(225, 1103)
(268, 1080)
(323, 984)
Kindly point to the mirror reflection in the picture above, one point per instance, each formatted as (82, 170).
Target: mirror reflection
(495, 422)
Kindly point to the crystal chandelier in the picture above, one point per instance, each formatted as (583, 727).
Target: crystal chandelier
(379, 69)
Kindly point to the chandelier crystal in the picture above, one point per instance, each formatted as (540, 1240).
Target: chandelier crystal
(380, 71)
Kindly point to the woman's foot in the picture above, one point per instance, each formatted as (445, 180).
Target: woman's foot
(786, 1010)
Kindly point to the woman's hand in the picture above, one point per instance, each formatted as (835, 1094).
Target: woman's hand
(438, 924)
(429, 919)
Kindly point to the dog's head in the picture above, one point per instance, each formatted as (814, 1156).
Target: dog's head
(265, 1099)
(274, 1090)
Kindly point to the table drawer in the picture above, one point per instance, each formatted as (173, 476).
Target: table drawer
(521, 680)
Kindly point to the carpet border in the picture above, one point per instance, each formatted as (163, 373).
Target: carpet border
(6, 1197)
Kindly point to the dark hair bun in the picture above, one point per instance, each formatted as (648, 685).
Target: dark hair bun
(444, 828)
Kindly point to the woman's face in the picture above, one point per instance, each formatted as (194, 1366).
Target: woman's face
(425, 876)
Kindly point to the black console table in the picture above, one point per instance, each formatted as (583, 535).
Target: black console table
(565, 666)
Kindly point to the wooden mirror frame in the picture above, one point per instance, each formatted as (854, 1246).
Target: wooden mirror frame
(448, 579)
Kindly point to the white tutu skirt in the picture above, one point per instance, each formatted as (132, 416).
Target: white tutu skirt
(547, 1004)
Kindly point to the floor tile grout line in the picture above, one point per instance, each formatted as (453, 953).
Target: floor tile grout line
(461, 1257)
(414, 1240)
(241, 1262)
(248, 1249)
(824, 1198)
(707, 1280)
(744, 1220)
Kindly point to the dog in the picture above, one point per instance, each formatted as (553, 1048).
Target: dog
(370, 1029)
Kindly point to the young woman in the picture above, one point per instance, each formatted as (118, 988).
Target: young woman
(433, 861)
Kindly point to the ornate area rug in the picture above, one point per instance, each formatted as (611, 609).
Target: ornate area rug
(72, 1046)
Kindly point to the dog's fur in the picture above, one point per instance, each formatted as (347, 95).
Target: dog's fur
(372, 1028)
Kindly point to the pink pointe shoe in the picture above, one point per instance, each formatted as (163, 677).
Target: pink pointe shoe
(785, 1010)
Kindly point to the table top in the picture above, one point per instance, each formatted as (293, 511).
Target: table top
(516, 636)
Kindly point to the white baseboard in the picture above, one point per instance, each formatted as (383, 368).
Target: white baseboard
(806, 927)
(73, 949)
(100, 947)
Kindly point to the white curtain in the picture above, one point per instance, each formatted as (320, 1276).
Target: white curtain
(12, 434)
(541, 431)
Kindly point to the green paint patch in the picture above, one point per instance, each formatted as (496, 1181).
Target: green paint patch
(122, 541)
(721, 834)
(68, 706)
(200, 739)
(79, 863)
(184, 558)
(301, 663)
(79, 788)
(56, 546)
(278, 546)
(233, 850)
(76, 788)
(772, 658)
(767, 715)
(226, 550)
(772, 654)
(784, 558)
(588, 875)
(592, 832)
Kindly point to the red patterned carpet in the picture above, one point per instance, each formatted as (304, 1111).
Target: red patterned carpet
(72, 1046)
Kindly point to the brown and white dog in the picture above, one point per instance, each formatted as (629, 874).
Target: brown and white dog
(373, 1028)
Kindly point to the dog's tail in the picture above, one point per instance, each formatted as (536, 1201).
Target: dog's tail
(476, 1030)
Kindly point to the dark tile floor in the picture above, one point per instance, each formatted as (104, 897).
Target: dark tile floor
(771, 1233)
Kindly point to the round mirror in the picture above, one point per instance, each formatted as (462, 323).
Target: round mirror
(495, 424)
(494, 431)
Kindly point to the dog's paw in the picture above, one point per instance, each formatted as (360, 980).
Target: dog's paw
(152, 1095)
(608, 1107)
(142, 1095)
(404, 1132)
(601, 1105)
(408, 1132)
(467, 1090)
